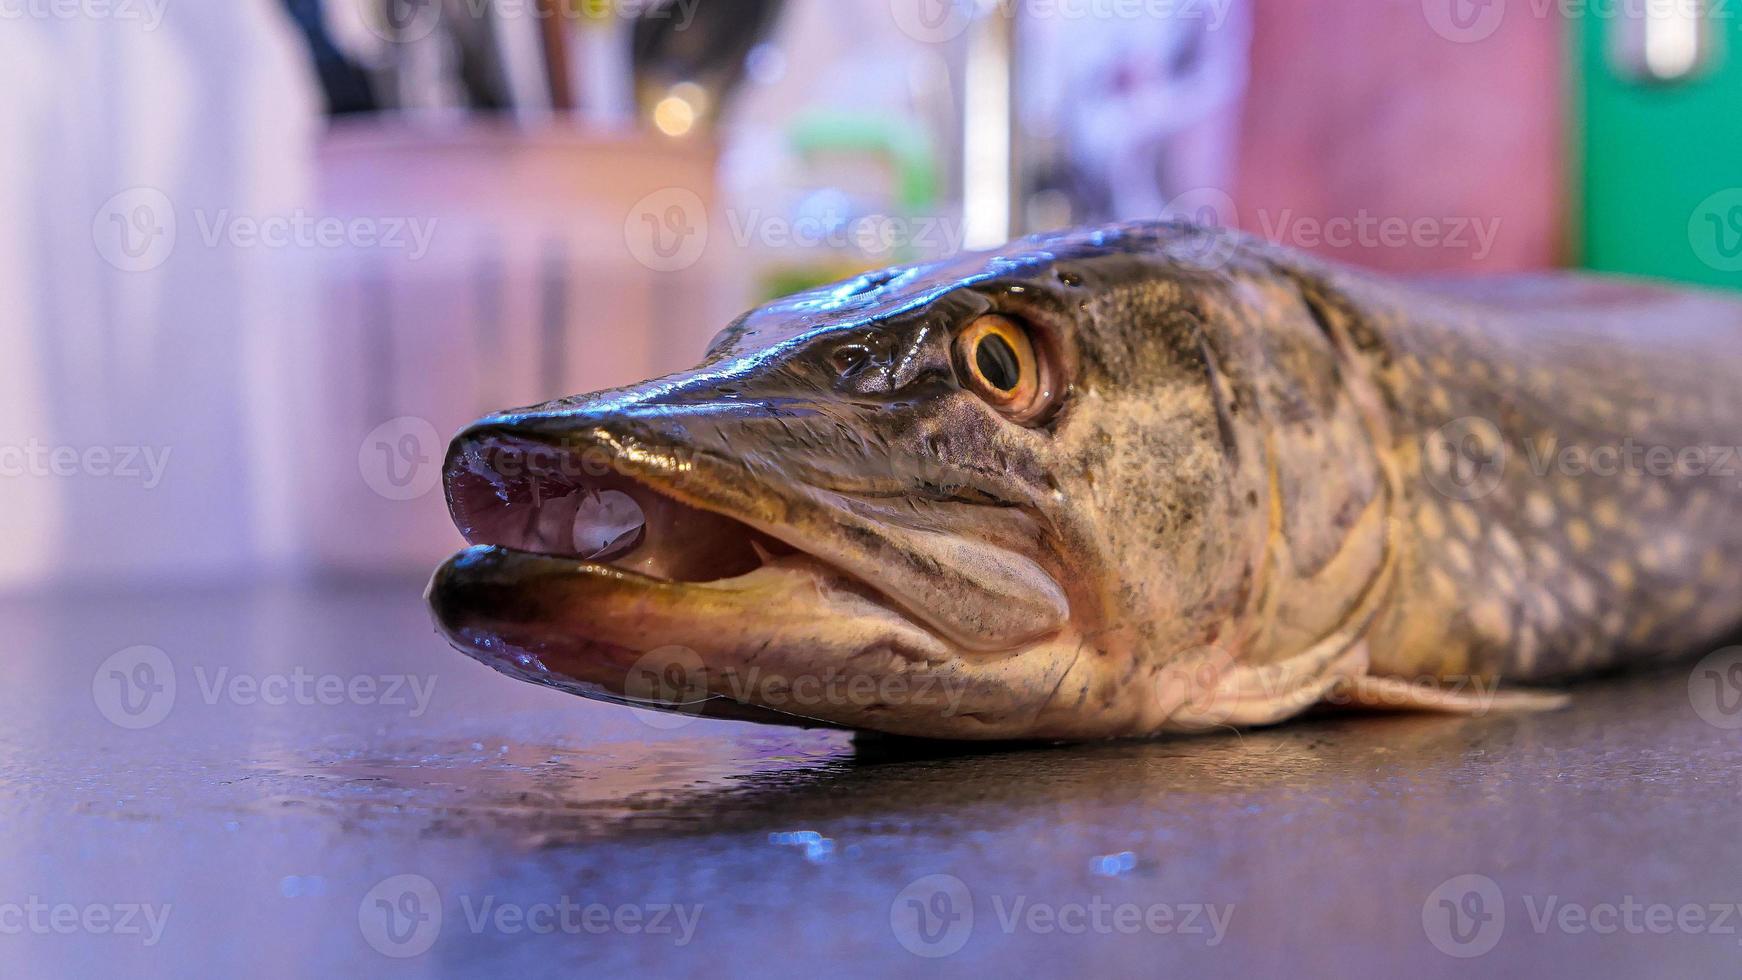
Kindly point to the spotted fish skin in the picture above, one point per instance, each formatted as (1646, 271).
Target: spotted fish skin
(1572, 492)
(1268, 480)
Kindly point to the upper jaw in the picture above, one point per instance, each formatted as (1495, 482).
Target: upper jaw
(722, 496)
(526, 602)
(755, 576)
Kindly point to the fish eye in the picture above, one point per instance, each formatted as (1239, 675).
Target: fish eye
(999, 360)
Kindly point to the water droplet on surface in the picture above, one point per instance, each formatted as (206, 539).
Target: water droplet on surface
(1113, 865)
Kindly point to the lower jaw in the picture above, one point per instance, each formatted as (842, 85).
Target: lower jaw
(495, 605)
(609, 634)
(497, 600)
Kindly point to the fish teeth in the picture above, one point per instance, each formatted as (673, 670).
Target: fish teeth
(763, 555)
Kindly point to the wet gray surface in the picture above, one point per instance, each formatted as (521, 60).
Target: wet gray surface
(362, 832)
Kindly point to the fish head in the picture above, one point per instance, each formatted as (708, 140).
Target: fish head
(993, 497)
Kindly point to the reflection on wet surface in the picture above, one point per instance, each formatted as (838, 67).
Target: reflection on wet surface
(435, 819)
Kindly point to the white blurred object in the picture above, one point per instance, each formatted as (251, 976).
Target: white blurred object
(273, 330)
(130, 339)
(1145, 108)
(30, 516)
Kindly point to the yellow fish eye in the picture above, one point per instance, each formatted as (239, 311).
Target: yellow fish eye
(998, 362)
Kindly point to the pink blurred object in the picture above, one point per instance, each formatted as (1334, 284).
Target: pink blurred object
(537, 264)
(1357, 107)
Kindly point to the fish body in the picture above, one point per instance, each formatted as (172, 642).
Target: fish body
(1115, 482)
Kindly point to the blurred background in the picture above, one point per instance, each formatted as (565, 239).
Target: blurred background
(262, 257)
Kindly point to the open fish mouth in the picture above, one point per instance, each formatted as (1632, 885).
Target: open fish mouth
(590, 573)
(562, 504)
(641, 572)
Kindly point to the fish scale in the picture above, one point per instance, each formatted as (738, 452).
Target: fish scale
(1545, 568)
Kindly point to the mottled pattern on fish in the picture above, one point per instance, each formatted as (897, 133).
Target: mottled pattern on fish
(1575, 499)
(1264, 480)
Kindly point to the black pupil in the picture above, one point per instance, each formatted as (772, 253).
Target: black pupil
(997, 362)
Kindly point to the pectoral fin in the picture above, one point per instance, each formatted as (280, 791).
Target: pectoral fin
(1245, 695)
(1395, 694)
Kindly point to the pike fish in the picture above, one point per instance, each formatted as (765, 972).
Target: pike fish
(1115, 482)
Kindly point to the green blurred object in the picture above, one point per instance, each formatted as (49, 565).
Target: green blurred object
(1662, 156)
(893, 144)
(899, 141)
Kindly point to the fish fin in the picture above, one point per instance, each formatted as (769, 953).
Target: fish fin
(1245, 695)
(1394, 694)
